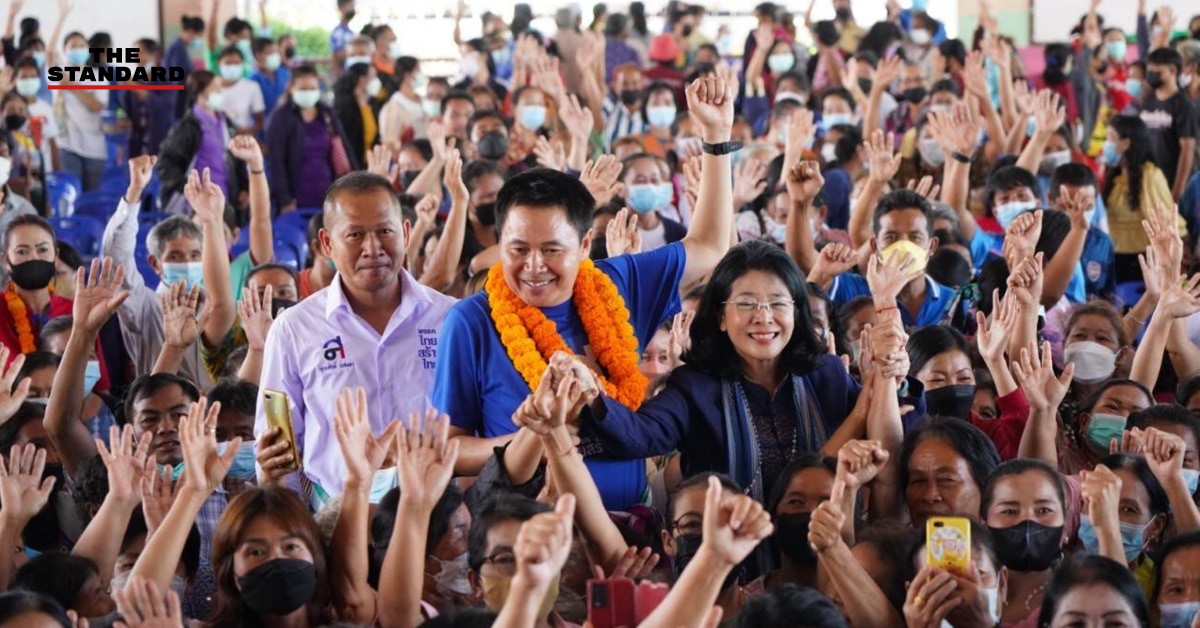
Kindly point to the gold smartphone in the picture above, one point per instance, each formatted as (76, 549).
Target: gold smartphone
(279, 415)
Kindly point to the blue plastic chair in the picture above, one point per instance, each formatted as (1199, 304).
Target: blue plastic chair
(288, 254)
(85, 233)
(242, 244)
(293, 229)
(63, 190)
(1129, 292)
(97, 204)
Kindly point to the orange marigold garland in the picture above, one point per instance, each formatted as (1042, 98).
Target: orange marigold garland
(20, 315)
(530, 338)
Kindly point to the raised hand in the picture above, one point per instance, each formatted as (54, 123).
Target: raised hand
(544, 543)
(804, 182)
(126, 463)
(1049, 113)
(23, 492)
(681, 336)
(141, 170)
(1101, 495)
(1076, 207)
(733, 524)
(1162, 229)
(691, 178)
(800, 133)
(203, 467)
(255, 314)
(158, 493)
(992, 336)
(925, 187)
(887, 277)
(1181, 301)
(930, 597)
(710, 103)
(1163, 451)
(1020, 239)
(1151, 269)
(633, 564)
(544, 74)
(381, 161)
(452, 179)
(550, 155)
(622, 234)
(882, 159)
(1025, 282)
(97, 298)
(825, 525)
(246, 148)
(363, 452)
(975, 76)
(206, 198)
(424, 458)
(832, 261)
(143, 605)
(577, 118)
(600, 178)
(439, 140)
(749, 181)
(1043, 389)
(858, 462)
(887, 72)
(181, 324)
(11, 398)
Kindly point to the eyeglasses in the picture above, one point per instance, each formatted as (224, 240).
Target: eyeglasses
(504, 561)
(782, 306)
(688, 524)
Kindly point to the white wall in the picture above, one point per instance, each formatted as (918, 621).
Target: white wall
(1054, 19)
(126, 20)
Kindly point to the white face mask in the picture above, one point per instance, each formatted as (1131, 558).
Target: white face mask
(1093, 361)
(5, 170)
(931, 152)
(829, 152)
(451, 577)
(993, 606)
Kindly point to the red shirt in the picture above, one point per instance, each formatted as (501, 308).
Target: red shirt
(1006, 430)
(58, 307)
(666, 74)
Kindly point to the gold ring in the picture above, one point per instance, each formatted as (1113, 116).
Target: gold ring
(918, 601)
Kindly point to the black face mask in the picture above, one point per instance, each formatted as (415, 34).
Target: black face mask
(493, 146)
(289, 53)
(686, 546)
(279, 587)
(1154, 78)
(486, 213)
(843, 14)
(865, 85)
(281, 304)
(407, 177)
(348, 15)
(14, 121)
(913, 95)
(1028, 546)
(791, 535)
(54, 471)
(951, 401)
(687, 30)
(631, 97)
(34, 274)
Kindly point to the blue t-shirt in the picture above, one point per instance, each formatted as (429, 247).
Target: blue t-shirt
(1097, 263)
(837, 197)
(936, 307)
(985, 245)
(340, 37)
(271, 89)
(476, 384)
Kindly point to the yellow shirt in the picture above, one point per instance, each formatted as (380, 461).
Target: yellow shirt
(1125, 222)
(370, 130)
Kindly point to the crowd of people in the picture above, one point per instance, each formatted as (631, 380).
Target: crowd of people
(608, 305)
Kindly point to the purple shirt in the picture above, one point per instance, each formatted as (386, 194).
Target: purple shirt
(618, 53)
(211, 153)
(316, 175)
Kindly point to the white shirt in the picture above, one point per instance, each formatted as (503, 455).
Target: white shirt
(654, 238)
(84, 128)
(397, 115)
(320, 346)
(41, 111)
(241, 101)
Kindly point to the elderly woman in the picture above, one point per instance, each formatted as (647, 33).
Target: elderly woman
(757, 387)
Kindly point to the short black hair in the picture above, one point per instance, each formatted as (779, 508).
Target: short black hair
(1187, 389)
(948, 267)
(422, 146)
(28, 412)
(273, 266)
(928, 342)
(1074, 174)
(236, 25)
(55, 326)
(694, 480)
(476, 170)
(147, 385)
(237, 395)
(1166, 56)
(953, 49)
(1160, 413)
(18, 602)
(1008, 178)
(231, 50)
(1019, 466)
(1176, 544)
(358, 182)
(89, 486)
(838, 92)
(787, 606)
(809, 460)
(945, 85)
(192, 23)
(898, 200)
(969, 441)
(37, 360)
(457, 94)
(496, 509)
(849, 141)
(56, 575)
(1089, 570)
(383, 522)
(484, 115)
(543, 188)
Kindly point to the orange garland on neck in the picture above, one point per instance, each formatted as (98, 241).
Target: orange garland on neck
(21, 319)
(530, 338)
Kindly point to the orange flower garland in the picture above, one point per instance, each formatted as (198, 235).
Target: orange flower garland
(20, 316)
(530, 338)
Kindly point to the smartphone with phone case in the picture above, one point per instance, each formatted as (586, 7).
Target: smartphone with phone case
(948, 544)
(611, 603)
(279, 415)
(646, 598)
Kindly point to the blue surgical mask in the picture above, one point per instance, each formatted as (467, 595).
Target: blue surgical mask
(1102, 429)
(1177, 615)
(40, 57)
(1133, 86)
(647, 197)
(91, 375)
(196, 44)
(661, 117)
(1110, 156)
(231, 72)
(1116, 50)
(31, 553)
(273, 61)
(305, 98)
(782, 62)
(384, 481)
(1190, 477)
(1008, 212)
(501, 56)
(244, 46)
(175, 272)
(243, 463)
(29, 86)
(830, 120)
(1030, 126)
(78, 56)
(1131, 537)
(532, 116)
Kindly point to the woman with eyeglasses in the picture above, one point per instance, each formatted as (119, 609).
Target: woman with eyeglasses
(757, 387)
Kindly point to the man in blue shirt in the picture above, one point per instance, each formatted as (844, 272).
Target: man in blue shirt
(544, 219)
(269, 72)
(902, 215)
(341, 35)
(1011, 191)
(1095, 272)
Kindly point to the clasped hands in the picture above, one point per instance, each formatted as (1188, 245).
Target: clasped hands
(552, 410)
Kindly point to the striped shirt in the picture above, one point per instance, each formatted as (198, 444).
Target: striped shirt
(619, 121)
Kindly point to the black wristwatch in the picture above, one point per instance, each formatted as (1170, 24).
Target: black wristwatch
(723, 148)
(961, 158)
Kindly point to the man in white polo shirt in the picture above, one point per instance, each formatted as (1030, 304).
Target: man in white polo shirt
(374, 327)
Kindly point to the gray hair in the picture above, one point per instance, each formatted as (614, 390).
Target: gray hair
(170, 229)
(942, 211)
(1189, 49)
(362, 40)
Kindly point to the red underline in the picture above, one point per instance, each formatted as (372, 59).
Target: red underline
(120, 87)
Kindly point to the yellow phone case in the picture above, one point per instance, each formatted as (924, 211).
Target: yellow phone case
(948, 543)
